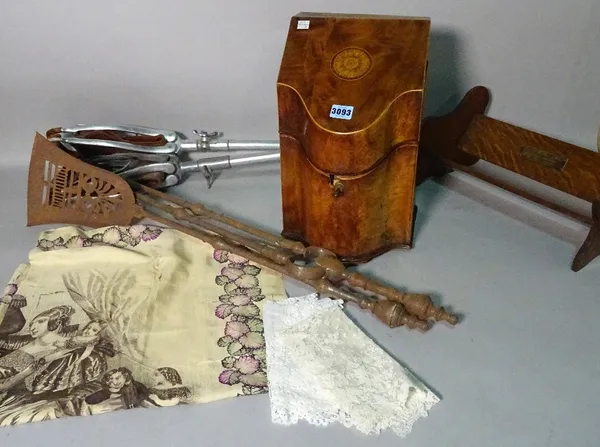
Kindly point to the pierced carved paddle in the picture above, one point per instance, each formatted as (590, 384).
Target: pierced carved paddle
(65, 190)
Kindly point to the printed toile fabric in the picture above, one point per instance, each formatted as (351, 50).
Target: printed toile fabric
(324, 369)
(129, 317)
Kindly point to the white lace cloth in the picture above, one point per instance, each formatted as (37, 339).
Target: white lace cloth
(323, 369)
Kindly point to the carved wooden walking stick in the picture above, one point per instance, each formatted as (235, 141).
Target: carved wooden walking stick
(63, 189)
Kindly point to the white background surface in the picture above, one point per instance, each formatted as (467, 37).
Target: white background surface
(521, 369)
(183, 64)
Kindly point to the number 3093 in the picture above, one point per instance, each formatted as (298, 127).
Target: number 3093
(341, 112)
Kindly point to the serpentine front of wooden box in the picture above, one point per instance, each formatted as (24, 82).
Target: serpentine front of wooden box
(350, 97)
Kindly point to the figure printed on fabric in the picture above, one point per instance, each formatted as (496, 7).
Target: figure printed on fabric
(13, 320)
(88, 336)
(51, 367)
(42, 367)
(130, 317)
(168, 389)
(29, 354)
(119, 392)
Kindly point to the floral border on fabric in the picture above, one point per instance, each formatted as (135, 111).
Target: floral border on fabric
(116, 236)
(244, 339)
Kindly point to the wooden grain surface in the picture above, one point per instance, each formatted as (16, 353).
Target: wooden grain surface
(398, 53)
(376, 65)
(555, 163)
(464, 136)
(364, 221)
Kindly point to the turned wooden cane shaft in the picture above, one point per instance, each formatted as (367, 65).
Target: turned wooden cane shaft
(417, 304)
(266, 250)
(392, 316)
(202, 211)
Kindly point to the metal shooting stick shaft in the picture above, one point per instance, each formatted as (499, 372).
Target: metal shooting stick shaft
(245, 145)
(208, 142)
(226, 162)
(220, 145)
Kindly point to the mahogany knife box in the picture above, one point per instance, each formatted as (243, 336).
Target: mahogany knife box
(350, 96)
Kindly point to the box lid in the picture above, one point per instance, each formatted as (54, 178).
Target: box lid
(349, 68)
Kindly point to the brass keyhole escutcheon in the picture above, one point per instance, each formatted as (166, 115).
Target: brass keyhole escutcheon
(336, 185)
